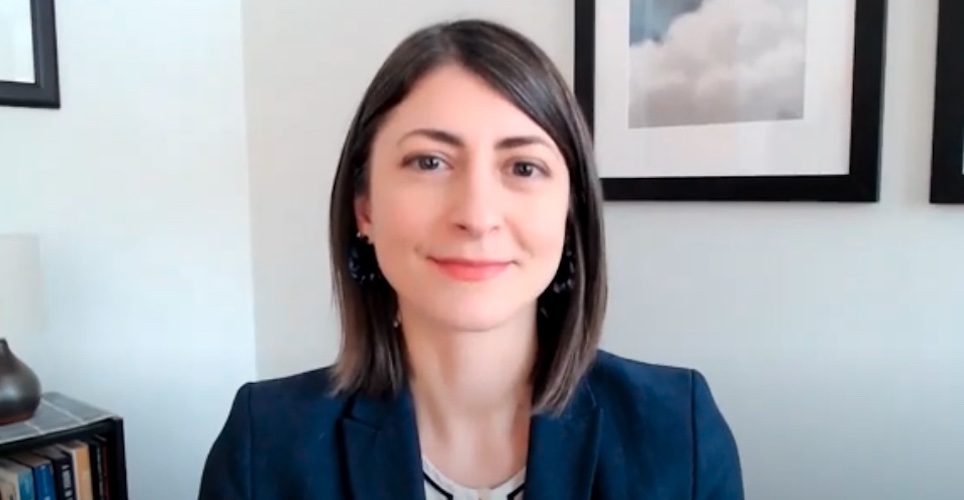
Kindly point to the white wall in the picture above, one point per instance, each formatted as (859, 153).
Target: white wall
(829, 333)
(138, 188)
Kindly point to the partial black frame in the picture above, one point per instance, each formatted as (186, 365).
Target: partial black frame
(947, 157)
(44, 92)
(860, 184)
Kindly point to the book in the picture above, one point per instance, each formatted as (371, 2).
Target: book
(63, 471)
(20, 475)
(79, 454)
(99, 467)
(43, 474)
(7, 491)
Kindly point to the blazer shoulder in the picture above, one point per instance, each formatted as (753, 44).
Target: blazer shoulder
(305, 393)
(672, 409)
(640, 381)
(268, 420)
(663, 394)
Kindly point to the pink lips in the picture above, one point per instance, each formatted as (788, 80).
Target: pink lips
(470, 270)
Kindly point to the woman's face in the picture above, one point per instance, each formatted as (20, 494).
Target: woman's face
(466, 206)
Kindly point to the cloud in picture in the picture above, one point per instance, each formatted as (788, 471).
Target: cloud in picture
(716, 61)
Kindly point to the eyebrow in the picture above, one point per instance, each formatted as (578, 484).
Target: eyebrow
(456, 141)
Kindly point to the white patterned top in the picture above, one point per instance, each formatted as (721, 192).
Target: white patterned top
(439, 487)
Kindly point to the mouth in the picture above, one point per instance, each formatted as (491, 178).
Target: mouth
(469, 269)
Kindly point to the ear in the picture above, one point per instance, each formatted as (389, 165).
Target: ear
(363, 219)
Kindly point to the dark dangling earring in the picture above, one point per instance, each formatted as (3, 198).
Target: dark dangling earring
(362, 264)
(565, 276)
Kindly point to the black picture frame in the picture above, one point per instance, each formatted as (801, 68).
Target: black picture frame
(860, 184)
(44, 91)
(947, 157)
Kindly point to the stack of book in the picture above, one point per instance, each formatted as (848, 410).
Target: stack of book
(67, 451)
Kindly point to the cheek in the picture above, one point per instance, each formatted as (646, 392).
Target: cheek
(400, 217)
(545, 227)
(548, 237)
(387, 205)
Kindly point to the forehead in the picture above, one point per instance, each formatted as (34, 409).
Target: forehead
(453, 98)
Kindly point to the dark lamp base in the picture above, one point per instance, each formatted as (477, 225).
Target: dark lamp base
(20, 389)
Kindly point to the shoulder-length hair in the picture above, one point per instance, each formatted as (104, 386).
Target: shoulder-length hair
(372, 358)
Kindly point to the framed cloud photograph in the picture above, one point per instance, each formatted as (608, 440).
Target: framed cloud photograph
(947, 159)
(29, 75)
(741, 100)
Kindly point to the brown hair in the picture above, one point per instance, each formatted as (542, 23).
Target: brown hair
(372, 356)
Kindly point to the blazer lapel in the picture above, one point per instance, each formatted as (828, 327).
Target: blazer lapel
(382, 449)
(563, 450)
(384, 460)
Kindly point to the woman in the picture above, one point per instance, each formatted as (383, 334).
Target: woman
(469, 266)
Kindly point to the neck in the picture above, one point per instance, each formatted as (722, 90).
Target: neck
(471, 380)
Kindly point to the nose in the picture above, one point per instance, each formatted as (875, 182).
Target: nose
(476, 205)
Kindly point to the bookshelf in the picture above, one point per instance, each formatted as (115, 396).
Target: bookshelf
(65, 437)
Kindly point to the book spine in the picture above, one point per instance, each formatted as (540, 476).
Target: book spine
(26, 484)
(97, 471)
(43, 479)
(64, 477)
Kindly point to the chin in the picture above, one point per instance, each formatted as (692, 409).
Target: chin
(474, 316)
(471, 321)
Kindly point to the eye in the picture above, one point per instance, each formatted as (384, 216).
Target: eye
(425, 162)
(525, 169)
(428, 162)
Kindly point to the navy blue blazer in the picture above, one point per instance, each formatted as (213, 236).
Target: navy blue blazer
(632, 431)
